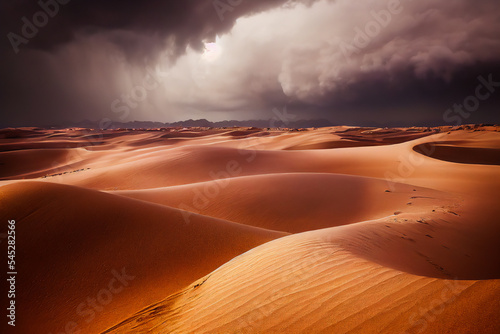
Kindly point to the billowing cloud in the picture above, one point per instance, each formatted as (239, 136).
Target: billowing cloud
(350, 61)
(185, 22)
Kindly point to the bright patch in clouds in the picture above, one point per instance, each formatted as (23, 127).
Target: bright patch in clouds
(212, 51)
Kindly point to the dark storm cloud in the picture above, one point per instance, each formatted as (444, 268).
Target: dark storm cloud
(42, 80)
(365, 61)
(393, 57)
(356, 62)
(188, 22)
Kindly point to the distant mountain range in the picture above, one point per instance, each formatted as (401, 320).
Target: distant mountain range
(271, 123)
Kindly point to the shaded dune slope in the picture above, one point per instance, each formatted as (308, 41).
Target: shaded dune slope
(464, 155)
(70, 241)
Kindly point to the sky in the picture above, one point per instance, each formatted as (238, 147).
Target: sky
(364, 62)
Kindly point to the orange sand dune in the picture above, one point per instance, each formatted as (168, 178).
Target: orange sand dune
(164, 166)
(325, 144)
(307, 283)
(389, 238)
(446, 244)
(421, 233)
(294, 202)
(466, 155)
(21, 133)
(72, 242)
(46, 145)
(20, 163)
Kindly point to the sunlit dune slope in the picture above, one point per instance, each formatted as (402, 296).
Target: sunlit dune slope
(307, 283)
(294, 202)
(417, 230)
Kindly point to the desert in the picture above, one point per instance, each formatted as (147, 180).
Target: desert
(204, 231)
(263, 167)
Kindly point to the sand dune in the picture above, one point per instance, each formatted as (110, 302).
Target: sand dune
(170, 165)
(466, 155)
(30, 162)
(306, 283)
(73, 241)
(387, 237)
(294, 202)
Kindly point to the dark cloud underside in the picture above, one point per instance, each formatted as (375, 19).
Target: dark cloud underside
(351, 62)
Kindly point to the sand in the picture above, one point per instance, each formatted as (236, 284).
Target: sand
(239, 230)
